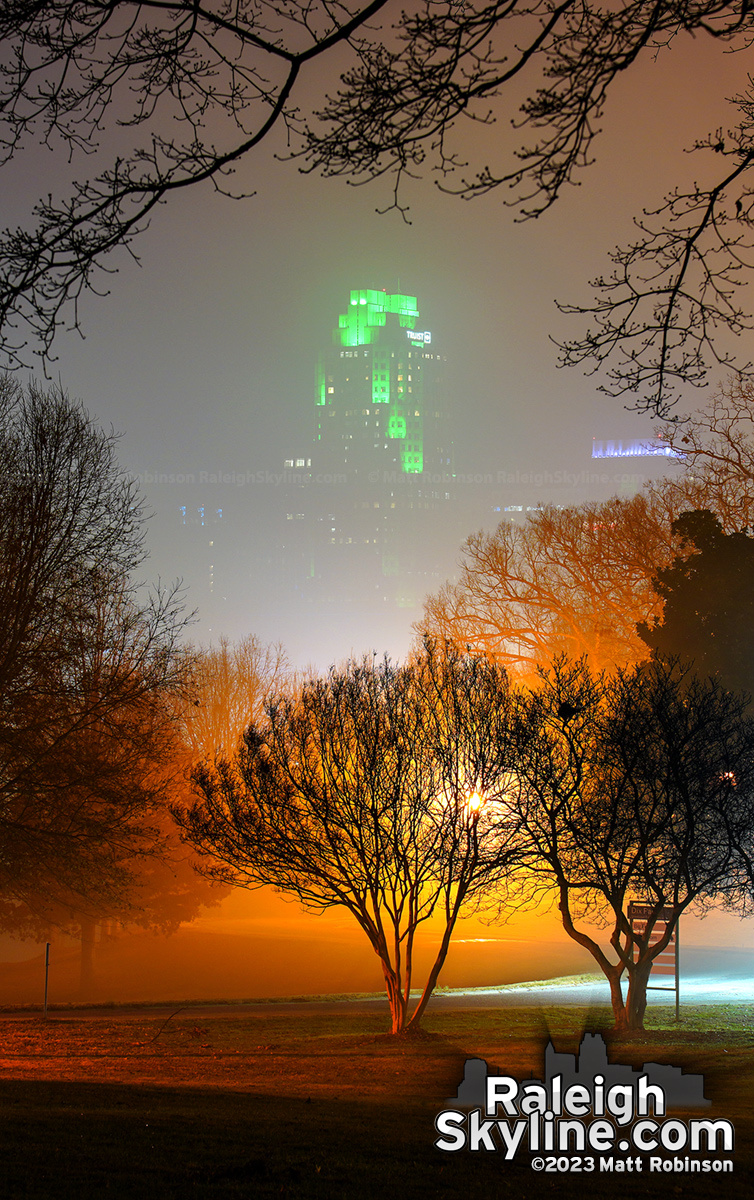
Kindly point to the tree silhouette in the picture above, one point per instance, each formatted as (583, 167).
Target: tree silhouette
(716, 447)
(708, 615)
(658, 313)
(72, 72)
(379, 788)
(646, 793)
(159, 890)
(225, 80)
(90, 668)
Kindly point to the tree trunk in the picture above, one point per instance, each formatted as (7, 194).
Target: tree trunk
(611, 971)
(636, 1001)
(395, 997)
(620, 1011)
(434, 975)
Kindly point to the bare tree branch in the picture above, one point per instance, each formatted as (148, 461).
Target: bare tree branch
(72, 71)
(225, 78)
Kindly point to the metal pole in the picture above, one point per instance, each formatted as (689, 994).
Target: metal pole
(677, 969)
(47, 974)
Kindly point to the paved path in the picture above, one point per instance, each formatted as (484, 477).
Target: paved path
(708, 976)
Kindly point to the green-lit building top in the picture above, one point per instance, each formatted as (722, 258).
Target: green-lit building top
(382, 456)
(367, 315)
(371, 386)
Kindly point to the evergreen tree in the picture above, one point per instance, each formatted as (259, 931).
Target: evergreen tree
(709, 602)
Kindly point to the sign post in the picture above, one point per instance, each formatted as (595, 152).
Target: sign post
(668, 962)
(47, 974)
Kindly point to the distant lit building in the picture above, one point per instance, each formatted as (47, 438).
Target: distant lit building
(379, 393)
(646, 448)
(368, 519)
(202, 526)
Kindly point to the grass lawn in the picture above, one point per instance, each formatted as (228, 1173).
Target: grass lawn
(317, 1105)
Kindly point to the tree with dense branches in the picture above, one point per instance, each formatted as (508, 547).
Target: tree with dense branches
(570, 580)
(636, 785)
(708, 602)
(412, 79)
(578, 580)
(716, 449)
(90, 665)
(379, 788)
(69, 73)
(231, 683)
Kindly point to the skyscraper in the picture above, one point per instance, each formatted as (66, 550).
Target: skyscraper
(379, 393)
(382, 455)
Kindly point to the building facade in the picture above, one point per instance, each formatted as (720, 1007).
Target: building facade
(382, 458)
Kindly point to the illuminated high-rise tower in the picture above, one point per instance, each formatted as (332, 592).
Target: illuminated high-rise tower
(381, 461)
(368, 521)
(380, 409)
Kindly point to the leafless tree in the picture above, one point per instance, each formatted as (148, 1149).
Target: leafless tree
(89, 665)
(716, 448)
(232, 682)
(671, 306)
(578, 580)
(412, 81)
(573, 580)
(637, 786)
(379, 788)
(71, 73)
(658, 314)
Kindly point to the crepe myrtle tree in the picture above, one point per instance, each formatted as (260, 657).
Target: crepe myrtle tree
(637, 786)
(379, 788)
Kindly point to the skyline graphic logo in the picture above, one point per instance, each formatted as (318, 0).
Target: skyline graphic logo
(586, 1115)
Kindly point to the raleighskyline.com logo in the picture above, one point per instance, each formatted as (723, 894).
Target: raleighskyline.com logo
(588, 1115)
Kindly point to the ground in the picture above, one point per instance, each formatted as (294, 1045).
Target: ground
(316, 1104)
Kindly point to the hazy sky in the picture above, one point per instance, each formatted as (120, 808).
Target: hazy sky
(204, 356)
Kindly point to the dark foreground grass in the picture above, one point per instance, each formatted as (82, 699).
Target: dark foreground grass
(317, 1107)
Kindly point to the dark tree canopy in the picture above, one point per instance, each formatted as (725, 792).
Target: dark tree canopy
(90, 666)
(194, 89)
(708, 594)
